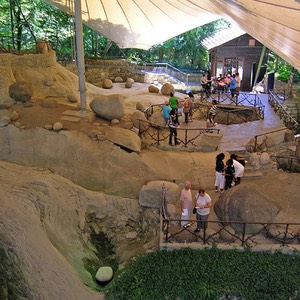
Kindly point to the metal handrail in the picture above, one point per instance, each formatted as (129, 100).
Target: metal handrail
(159, 133)
(288, 163)
(242, 234)
(288, 120)
(264, 134)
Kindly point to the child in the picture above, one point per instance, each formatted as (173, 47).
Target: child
(229, 174)
(213, 109)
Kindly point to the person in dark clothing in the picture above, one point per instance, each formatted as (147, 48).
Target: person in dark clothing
(229, 174)
(173, 125)
(219, 182)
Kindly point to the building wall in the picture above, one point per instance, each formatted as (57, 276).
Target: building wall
(247, 56)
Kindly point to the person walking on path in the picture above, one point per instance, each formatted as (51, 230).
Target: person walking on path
(202, 204)
(219, 182)
(210, 124)
(186, 201)
(213, 109)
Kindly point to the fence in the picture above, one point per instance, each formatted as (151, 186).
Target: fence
(245, 234)
(288, 163)
(287, 119)
(186, 137)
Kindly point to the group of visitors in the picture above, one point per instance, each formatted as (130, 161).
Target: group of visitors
(229, 82)
(201, 205)
(229, 174)
(170, 112)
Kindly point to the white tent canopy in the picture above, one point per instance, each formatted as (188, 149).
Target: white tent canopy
(144, 23)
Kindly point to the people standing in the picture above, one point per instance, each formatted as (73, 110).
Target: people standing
(173, 125)
(232, 86)
(186, 108)
(239, 169)
(166, 111)
(202, 204)
(229, 174)
(238, 83)
(186, 201)
(191, 107)
(219, 182)
(173, 101)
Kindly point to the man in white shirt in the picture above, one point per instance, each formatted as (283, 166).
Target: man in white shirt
(186, 201)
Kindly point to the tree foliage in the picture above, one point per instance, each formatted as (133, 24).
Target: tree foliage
(283, 71)
(23, 22)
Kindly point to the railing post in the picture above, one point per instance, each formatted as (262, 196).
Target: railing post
(255, 144)
(167, 230)
(244, 233)
(285, 235)
(157, 136)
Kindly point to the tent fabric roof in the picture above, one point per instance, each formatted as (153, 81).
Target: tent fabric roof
(221, 37)
(144, 23)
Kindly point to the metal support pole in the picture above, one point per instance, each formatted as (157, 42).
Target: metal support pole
(80, 53)
(262, 54)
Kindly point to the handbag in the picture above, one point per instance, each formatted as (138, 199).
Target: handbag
(194, 210)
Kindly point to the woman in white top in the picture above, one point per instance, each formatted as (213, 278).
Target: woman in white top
(202, 204)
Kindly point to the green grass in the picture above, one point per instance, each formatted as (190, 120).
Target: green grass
(209, 274)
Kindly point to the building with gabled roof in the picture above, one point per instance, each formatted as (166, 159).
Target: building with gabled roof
(232, 50)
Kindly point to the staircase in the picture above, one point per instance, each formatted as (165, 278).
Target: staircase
(250, 172)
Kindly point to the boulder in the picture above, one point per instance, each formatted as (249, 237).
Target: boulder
(104, 274)
(6, 102)
(50, 103)
(115, 121)
(14, 115)
(153, 89)
(57, 126)
(140, 121)
(124, 138)
(167, 88)
(4, 121)
(265, 158)
(246, 203)
(119, 79)
(140, 106)
(130, 80)
(157, 119)
(72, 98)
(49, 81)
(21, 91)
(255, 161)
(289, 136)
(151, 194)
(108, 106)
(128, 85)
(107, 83)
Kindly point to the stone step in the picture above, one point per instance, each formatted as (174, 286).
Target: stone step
(252, 174)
